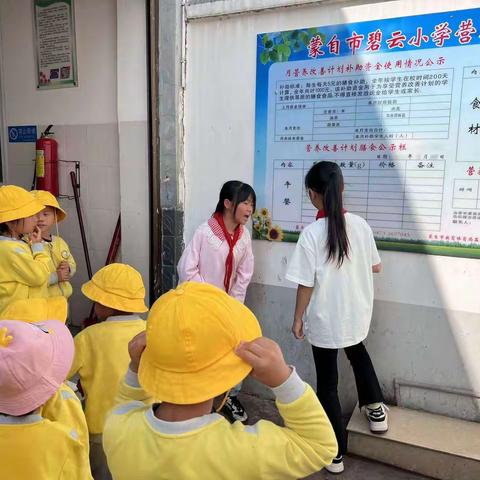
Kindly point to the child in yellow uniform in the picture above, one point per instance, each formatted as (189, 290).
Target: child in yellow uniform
(200, 342)
(24, 269)
(34, 361)
(34, 310)
(64, 406)
(63, 266)
(101, 350)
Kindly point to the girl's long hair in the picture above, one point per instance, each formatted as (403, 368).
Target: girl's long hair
(237, 192)
(326, 179)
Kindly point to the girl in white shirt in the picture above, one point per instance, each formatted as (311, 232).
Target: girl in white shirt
(332, 264)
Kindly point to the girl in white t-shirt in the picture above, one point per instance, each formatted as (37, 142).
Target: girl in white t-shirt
(332, 265)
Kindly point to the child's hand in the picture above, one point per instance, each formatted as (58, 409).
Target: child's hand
(297, 329)
(36, 235)
(63, 275)
(266, 359)
(63, 271)
(136, 346)
(64, 266)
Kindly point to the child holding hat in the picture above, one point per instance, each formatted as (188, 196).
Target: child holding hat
(62, 266)
(101, 350)
(200, 342)
(24, 268)
(220, 253)
(34, 361)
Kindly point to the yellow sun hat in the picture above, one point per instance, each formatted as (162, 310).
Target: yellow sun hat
(117, 286)
(49, 200)
(32, 310)
(192, 333)
(17, 203)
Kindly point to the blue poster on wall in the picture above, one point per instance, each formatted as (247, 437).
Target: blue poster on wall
(396, 103)
(22, 133)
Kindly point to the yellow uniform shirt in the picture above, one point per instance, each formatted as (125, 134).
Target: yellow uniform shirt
(65, 407)
(101, 359)
(34, 448)
(59, 251)
(24, 271)
(139, 445)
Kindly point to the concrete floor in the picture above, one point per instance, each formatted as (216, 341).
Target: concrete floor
(356, 468)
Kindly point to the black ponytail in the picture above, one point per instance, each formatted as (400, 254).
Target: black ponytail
(326, 179)
(237, 192)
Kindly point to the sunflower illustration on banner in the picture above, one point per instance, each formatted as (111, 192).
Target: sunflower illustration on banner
(263, 228)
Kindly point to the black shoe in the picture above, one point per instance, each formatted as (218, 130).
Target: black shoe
(234, 410)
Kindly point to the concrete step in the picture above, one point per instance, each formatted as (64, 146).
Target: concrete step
(432, 445)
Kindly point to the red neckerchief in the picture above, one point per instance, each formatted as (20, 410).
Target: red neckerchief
(231, 244)
(321, 213)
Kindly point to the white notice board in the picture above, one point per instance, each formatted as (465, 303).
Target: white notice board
(396, 103)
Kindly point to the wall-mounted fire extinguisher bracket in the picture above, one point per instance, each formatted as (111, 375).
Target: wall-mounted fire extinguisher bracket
(77, 177)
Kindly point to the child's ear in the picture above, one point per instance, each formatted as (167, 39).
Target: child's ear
(227, 204)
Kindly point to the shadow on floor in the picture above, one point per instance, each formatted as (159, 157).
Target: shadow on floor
(356, 468)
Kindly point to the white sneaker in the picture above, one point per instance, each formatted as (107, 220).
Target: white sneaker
(336, 466)
(377, 417)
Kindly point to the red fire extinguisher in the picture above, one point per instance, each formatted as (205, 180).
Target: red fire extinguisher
(46, 163)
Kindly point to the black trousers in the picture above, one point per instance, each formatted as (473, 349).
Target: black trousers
(368, 388)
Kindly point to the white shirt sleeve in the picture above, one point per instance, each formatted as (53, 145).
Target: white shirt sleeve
(188, 265)
(373, 247)
(301, 269)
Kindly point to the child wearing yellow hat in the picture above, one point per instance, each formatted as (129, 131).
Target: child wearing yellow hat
(199, 343)
(64, 406)
(62, 265)
(34, 361)
(101, 350)
(24, 267)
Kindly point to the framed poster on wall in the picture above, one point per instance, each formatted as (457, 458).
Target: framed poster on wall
(396, 103)
(56, 59)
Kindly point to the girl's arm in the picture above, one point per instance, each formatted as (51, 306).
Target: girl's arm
(304, 294)
(302, 271)
(70, 260)
(188, 265)
(29, 267)
(244, 273)
(65, 267)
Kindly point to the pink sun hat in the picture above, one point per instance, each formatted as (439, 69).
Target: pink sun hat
(35, 359)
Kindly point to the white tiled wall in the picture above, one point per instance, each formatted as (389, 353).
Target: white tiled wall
(111, 53)
(96, 148)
